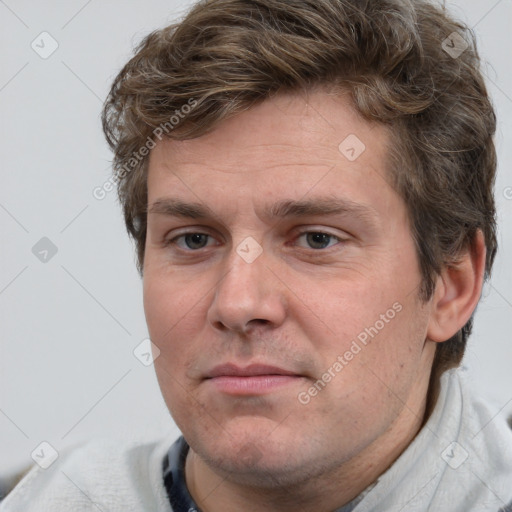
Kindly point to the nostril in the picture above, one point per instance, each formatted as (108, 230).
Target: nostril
(255, 323)
(217, 324)
(249, 326)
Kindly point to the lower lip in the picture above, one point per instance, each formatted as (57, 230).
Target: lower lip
(254, 385)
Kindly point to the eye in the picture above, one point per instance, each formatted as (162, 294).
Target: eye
(319, 240)
(192, 241)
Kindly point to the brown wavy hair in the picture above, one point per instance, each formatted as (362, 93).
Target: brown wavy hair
(227, 55)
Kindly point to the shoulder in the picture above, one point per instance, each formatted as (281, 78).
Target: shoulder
(100, 474)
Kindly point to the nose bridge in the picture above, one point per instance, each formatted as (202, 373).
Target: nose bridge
(247, 291)
(242, 284)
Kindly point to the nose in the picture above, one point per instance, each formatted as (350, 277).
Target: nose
(250, 294)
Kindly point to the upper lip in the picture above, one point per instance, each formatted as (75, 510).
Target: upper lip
(232, 370)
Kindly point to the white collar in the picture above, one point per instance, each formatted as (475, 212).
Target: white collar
(460, 461)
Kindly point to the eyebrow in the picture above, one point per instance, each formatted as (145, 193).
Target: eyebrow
(322, 206)
(282, 209)
(178, 208)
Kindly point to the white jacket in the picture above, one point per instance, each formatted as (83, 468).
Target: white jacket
(461, 461)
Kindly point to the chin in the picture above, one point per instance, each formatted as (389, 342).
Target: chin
(254, 459)
(254, 469)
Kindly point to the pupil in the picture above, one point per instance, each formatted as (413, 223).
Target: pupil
(195, 241)
(318, 240)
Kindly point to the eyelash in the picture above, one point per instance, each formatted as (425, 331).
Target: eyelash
(174, 241)
(330, 235)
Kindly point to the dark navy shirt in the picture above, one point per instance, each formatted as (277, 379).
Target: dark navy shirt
(174, 478)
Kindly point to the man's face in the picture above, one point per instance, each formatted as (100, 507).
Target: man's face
(281, 287)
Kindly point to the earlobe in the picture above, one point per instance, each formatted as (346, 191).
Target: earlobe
(457, 292)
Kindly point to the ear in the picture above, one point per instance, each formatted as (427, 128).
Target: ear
(457, 292)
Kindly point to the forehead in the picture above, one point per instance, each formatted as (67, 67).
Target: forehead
(289, 146)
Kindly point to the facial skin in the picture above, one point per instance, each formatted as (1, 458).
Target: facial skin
(298, 306)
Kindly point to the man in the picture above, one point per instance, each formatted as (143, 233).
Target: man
(309, 185)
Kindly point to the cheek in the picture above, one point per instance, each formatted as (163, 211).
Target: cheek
(173, 316)
(339, 310)
(390, 359)
(172, 319)
(167, 300)
(374, 326)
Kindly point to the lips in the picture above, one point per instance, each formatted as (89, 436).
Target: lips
(252, 380)
(253, 370)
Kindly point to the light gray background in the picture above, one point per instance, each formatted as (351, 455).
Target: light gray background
(69, 326)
